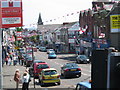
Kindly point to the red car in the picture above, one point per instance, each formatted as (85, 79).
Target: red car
(38, 67)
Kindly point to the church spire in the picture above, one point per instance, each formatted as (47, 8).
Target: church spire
(40, 20)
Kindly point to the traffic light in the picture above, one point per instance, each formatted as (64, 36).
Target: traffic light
(113, 80)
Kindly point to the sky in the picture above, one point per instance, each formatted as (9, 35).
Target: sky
(53, 11)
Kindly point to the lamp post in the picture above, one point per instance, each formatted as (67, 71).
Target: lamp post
(1, 74)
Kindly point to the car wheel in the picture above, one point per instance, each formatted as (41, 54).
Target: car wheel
(58, 83)
(76, 61)
(79, 61)
(39, 81)
(64, 75)
(79, 75)
(42, 84)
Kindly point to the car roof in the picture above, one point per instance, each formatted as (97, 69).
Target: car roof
(70, 63)
(86, 84)
(82, 55)
(49, 69)
(39, 61)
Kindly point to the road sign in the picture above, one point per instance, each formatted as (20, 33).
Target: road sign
(11, 13)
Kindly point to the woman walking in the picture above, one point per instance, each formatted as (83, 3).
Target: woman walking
(25, 80)
(17, 78)
(6, 60)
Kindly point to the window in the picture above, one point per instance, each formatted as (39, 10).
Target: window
(51, 72)
(42, 66)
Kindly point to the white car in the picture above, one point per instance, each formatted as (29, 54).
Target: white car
(50, 51)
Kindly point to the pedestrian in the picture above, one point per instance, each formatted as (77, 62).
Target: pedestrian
(22, 60)
(19, 59)
(6, 60)
(25, 80)
(11, 55)
(17, 78)
(14, 60)
(9, 61)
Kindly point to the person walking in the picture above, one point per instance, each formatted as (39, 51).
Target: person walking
(14, 60)
(25, 80)
(17, 78)
(9, 61)
(6, 60)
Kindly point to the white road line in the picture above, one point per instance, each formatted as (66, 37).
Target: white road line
(85, 66)
(85, 74)
(85, 70)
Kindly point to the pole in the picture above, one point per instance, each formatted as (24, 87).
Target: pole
(1, 74)
(33, 66)
(108, 67)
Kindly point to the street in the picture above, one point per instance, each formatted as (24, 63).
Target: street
(8, 72)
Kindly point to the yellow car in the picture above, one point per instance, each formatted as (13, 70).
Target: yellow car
(49, 75)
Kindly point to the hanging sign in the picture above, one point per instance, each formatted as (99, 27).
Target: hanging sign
(11, 13)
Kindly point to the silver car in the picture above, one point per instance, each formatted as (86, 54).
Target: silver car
(82, 59)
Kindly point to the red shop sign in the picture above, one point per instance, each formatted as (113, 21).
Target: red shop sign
(11, 13)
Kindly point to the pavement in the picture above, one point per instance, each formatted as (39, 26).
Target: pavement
(8, 75)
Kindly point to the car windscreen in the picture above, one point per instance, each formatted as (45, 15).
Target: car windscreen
(71, 65)
(42, 66)
(52, 54)
(50, 72)
(83, 57)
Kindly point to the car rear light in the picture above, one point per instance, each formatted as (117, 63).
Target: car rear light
(78, 69)
(66, 70)
(58, 76)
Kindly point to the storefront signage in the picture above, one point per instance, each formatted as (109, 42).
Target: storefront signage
(115, 23)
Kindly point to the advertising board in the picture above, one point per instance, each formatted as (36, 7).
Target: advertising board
(11, 13)
(115, 23)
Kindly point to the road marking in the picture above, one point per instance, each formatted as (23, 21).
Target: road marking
(85, 70)
(85, 74)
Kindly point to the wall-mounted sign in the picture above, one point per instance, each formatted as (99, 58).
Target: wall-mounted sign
(115, 23)
(11, 13)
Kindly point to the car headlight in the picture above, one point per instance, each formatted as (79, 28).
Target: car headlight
(87, 59)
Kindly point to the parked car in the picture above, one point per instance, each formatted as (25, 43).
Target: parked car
(70, 69)
(28, 61)
(31, 68)
(82, 59)
(38, 67)
(52, 55)
(42, 49)
(50, 51)
(49, 76)
(37, 47)
(83, 86)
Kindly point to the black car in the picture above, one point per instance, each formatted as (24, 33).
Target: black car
(70, 69)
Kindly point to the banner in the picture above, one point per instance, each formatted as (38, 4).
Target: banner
(115, 23)
(11, 13)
